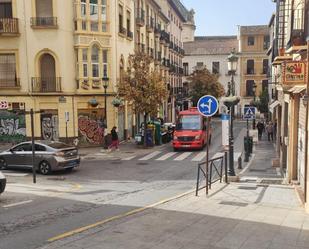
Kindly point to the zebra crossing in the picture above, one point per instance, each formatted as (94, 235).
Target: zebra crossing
(169, 156)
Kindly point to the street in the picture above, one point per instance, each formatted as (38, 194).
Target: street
(31, 214)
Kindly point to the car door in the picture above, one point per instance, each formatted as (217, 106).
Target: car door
(19, 156)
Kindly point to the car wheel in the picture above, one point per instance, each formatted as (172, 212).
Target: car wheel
(44, 168)
(3, 164)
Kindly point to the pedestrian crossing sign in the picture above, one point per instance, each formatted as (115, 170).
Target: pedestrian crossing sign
(249, 112)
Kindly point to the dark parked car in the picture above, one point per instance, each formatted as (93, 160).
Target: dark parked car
(2, 182)
(49, 156)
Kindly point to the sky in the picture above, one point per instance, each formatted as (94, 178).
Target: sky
(221, 17)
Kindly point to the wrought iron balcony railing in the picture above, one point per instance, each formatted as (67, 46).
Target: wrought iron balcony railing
(43, 21)
(46, 84)
(9, 26)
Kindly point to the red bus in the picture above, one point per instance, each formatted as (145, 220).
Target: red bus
(190, 131)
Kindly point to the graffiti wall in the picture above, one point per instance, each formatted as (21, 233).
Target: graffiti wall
(90, 128)
(50, 126)
(12, 127)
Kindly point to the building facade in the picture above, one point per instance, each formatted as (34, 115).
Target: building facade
(55, 58)
(289, 90)
(211, 52)
(253, 45)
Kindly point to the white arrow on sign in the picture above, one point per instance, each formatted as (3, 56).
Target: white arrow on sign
(203, 105)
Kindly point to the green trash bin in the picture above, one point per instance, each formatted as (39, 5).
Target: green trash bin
(158, 136)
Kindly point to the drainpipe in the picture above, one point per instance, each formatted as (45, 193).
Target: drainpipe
(307, 133)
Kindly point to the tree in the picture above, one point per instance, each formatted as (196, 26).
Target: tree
(142, 86)
(202, 82)
(262, 103)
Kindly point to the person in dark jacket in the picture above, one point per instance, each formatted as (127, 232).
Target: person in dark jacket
(115, 140)
(260, 126)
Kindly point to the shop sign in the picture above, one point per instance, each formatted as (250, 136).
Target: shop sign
(4, 105)
(294, 72)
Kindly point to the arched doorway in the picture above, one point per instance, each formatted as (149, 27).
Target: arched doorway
(48, 73)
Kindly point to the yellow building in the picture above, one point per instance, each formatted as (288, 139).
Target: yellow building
(253, 45)
(52, 64)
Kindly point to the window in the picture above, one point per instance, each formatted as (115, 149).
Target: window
(95, 61)
(85, 62)
(250, 66)
(39, 147)
(249, 87)
(264, 85)
(8, 70)
(94, 9)
(105, 63)
(83, 8)
(23, 147)
(186, 68)
(120, 18)
(128, 21)
(6, 9)
(250, 40)
(216, 67)
(265, 66)
(104, 16)
(266, 42)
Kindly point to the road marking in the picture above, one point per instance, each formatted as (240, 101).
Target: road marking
(128, 158)
(183, 156)
(15, 174)
(149, 156)
(218, 154)
(17, 204)
(166, 156)
(199, 156)
(117, 217)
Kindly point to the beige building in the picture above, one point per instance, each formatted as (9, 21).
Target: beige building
(253, 45)
(55, 57)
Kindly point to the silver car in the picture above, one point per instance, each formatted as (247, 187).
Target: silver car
(49, 156)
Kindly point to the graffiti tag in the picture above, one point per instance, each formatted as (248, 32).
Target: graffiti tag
(50, 127)
(91, 130)
(12, 127)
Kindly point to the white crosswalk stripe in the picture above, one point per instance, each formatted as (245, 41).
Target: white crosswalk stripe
(183, 156)
(199, 157)
(149, 156)
(128, 158)
(166, 156)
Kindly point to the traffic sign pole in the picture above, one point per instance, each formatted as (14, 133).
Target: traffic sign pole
(207, 152)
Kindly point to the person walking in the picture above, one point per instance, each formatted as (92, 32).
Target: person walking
(115, 140)
(270, 131)
(260, 127)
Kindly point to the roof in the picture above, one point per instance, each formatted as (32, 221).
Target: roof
(254, 30)
(209, 45)
(180, 9)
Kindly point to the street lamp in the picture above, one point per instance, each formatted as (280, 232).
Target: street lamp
(105, 85)
(230, 101)
(254, 92)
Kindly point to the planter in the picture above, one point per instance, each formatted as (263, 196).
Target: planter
(116, 102)
(93, 102)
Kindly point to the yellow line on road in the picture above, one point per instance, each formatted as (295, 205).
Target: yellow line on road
(134, 211)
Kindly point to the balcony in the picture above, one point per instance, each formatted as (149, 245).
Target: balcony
(46, 84)
(157, 30)
(9, 26)
(9, 83)
(122, 31)
(141, 47)
(150, 25)
(140, 17)
(43, 22)
(150, 52)
(129, 35)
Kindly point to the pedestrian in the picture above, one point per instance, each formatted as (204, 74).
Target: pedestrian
(270, 131)
(115, 140)
(260, 127)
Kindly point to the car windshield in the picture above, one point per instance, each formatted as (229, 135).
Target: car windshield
(57, 145)
(189, 122)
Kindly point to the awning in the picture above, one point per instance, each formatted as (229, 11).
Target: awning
(279, 59)
(295, 49)
(297, 89)
(273, 105)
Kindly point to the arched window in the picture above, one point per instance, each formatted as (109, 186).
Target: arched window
(95, 61)
(48, 73)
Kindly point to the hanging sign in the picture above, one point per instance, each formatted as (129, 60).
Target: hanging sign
(294, 72)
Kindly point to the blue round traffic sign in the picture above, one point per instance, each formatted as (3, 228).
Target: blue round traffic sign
(207, 105)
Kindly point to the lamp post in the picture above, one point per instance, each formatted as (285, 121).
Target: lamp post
(105, 85)
(230, 101)
(254, 92)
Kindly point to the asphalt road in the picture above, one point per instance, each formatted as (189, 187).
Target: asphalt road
(31, 214)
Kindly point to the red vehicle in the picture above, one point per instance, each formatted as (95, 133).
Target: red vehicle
(191, 130)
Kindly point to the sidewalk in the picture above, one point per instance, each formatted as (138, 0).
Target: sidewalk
(251, 214)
